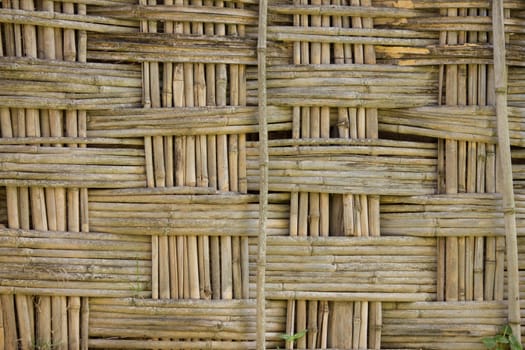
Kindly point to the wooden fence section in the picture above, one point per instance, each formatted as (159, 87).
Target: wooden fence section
(137, 210)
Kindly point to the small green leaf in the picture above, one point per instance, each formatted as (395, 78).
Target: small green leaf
(490, 342)
(300, 334)
(514, 343)
(507, 330)
(294, 337)
(501, 339)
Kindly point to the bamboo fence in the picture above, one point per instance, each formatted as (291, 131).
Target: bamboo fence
(231, 174)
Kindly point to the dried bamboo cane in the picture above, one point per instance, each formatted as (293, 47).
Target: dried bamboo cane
(8, 315)
(84, 323)
(500, 73)
(263, 182)
(451, 159)
(290, 322)
(489, 98)
(74, 323)
(242, 176)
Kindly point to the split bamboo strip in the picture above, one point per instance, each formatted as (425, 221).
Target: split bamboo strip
(140, 47)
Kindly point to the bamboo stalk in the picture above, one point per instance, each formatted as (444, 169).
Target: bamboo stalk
(84, 323)
(505, 180)
(74, 322)
(263, 166)
(9, 324)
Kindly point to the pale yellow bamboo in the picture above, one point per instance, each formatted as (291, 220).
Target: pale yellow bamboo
(505, 163)
(312, 324)
(9, 318)
(84, 323)
(290, 322)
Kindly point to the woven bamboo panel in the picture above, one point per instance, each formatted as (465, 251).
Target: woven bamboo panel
(226, 174)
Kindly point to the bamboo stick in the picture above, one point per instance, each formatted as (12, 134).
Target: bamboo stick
(74, 322)
(9, 325)
(84, 323)
(263, 166)
(500, 85)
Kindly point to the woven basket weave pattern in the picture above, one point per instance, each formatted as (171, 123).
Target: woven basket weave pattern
(133, 179)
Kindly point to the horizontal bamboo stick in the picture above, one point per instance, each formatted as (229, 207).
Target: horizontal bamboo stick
(204, 14)
(382, 37)
(332, 286)
(86, 71)
(70, 140)
(70, 240)
(43, 154)
(139, 47)
(167, 344)
(429, 4)
(182, 121)
(350, 296)
(340, 242)
(296, 97)
(177, 306)
(91, 290)
(339, 10)
(66, 21)
(35, 100)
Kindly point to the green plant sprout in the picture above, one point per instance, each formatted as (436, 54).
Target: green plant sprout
(293, 337)
(503, 341)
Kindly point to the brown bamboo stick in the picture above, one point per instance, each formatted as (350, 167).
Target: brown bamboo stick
(263, 166)
(296, 133)
(9, 324)
(341, 324)
(59, 321)
(505, 180)
(243, 181)
(84, 323)
(74, 322)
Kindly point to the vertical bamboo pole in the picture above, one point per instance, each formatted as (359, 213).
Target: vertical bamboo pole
(10, 339)
(233, 166)
(8, 316)
(223, 175)
(263, 171)
(74, 323)
(505, 164)
(290, 322)
(2, 329)
(294, 196)
(485, 179)
(451, 166)
(211, 93)
(84, 323)
(462, 162)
